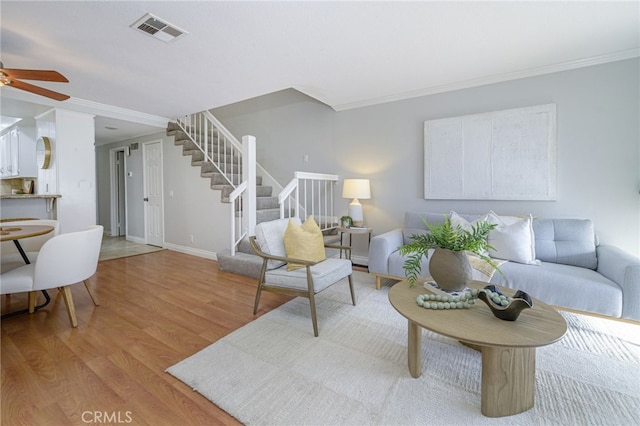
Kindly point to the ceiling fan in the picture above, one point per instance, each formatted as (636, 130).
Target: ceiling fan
(11, 77)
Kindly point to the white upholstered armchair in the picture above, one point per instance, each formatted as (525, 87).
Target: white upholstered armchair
(297, 275)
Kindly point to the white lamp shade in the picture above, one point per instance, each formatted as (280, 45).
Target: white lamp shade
(356, 188)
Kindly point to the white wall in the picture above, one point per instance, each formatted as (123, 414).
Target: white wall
(75, 138)
(72, 173)
(598, 148)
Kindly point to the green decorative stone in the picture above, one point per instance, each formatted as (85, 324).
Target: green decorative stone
(461, 301)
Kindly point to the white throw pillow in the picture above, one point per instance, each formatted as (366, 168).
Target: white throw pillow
(457, 220)
(512, 239)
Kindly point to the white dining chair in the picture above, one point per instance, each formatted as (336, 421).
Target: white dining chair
(63, 260)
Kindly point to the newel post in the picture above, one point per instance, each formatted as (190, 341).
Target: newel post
(249, 175)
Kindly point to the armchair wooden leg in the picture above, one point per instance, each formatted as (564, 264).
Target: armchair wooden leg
(258, 293)
(68, 302)
(261, 279)
(314, 317)
(93, 297)
(353, 294)
(378, 282)
(32, 302)
(312, 301)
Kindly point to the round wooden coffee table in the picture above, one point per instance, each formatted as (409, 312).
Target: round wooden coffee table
(508, 347)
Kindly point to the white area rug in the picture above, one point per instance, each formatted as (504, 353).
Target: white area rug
(274, 372)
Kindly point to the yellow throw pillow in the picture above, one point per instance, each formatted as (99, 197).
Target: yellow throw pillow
(304, 242)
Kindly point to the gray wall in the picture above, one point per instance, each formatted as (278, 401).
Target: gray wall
(598, 153)
(194, 209)
(191, 208)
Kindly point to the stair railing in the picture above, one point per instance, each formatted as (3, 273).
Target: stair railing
(243, 197)
(235, 161)
(310, 194)
(307, 193)
(218, 145)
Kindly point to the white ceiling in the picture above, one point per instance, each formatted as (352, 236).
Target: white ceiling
(345, 54)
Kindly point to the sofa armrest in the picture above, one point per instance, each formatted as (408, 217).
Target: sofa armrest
(381, 248)
(624, 269)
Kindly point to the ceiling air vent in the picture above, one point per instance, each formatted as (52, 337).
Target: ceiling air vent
(157, 28)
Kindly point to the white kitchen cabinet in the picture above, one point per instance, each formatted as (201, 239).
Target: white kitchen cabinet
(9, 153)
(17, 154)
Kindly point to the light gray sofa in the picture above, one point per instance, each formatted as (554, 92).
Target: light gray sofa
(574, 271)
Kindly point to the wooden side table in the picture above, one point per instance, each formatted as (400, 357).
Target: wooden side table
(354, 231)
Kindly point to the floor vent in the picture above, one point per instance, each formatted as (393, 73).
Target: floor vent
(157, 28)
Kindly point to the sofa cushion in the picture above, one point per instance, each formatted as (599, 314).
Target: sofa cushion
(324, 274)
(567, 241)
(414, 220)
(563, 285)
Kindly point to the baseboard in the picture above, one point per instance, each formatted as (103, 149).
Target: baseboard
(192, 251)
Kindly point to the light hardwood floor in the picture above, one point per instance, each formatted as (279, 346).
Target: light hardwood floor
(155, 310)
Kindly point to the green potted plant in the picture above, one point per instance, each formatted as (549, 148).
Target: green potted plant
(346, 221)
(449, 265)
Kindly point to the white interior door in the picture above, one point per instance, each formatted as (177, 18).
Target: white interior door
(153, 214)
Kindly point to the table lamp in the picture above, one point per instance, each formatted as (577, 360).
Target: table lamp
(356, 188)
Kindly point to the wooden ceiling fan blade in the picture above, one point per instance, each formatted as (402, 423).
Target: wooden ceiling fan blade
(38, 90)
(41, 75)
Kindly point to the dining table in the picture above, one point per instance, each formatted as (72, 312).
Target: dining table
(15, 233)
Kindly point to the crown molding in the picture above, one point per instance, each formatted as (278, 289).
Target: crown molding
(530, 72)
(89, 107)
(118, 113)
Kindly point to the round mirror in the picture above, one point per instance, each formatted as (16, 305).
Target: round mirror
(43, 152)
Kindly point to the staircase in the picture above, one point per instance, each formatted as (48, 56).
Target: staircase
(226, 175)
(267, 204)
